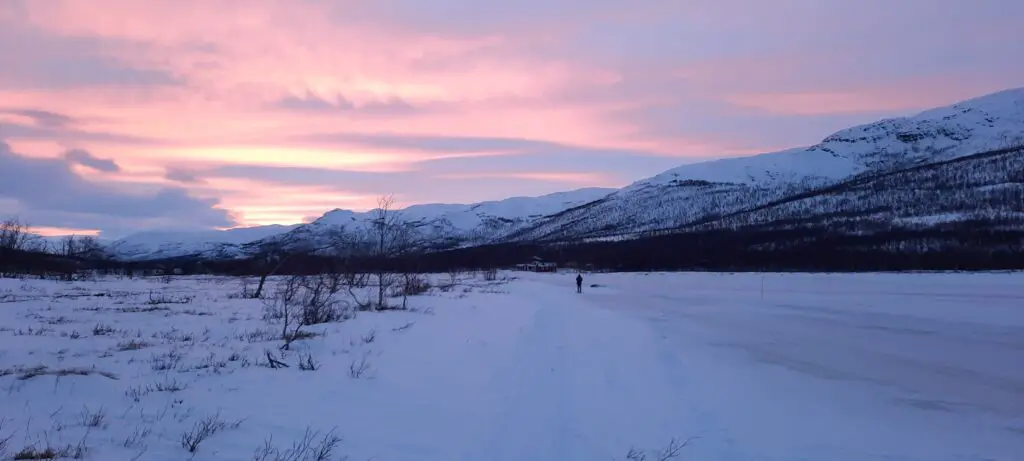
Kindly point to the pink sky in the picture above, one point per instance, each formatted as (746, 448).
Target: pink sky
(219, 113)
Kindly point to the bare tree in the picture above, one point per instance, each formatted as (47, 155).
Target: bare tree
(386, 239)
(285, 306)
(302, 301)
(75, 246)
(348, 248)
(274, 254)
(14, 235)
(270, 260)
(90, 247)
(407, 244)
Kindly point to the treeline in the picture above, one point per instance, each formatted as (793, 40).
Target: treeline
(986, 186)
(963, 246)
(954, 247)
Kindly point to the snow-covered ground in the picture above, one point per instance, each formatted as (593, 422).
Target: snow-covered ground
(743, 366)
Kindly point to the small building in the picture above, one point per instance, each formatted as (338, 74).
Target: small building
(538, 264)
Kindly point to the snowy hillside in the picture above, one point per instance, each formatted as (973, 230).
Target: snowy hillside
(986, 187)
(699, 192)
(156, 245)
(455, 223)
(448, 225)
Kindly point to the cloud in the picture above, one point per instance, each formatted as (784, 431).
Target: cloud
(40, 124)
(310, 102)
(183, 176)
(42, 118)
(585, 179)
(448, 144)
(467, 100)
(33, 59)
(85, 158)
(51, 194)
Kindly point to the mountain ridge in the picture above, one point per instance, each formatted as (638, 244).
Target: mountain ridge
(700, 192)
(473, 222)
(697, 191)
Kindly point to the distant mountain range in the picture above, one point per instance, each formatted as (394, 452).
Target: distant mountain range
(963, 162)
(452, 223)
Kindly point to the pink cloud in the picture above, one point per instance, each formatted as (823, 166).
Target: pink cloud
(189, 86)
(47, 231)
(592, 179)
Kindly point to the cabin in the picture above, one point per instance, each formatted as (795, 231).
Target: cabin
(538, 264)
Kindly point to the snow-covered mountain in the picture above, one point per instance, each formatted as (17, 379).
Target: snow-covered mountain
(800, 183)
(701, 192)
(454, 223)
(159, 244)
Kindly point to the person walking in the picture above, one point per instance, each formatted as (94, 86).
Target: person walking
(579, 283)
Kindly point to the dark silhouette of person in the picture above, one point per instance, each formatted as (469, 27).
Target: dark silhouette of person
(579, 283)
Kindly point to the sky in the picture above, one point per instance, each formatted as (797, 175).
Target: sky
(124, 115)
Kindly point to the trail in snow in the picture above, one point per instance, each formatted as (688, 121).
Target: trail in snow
(575, 383)
(822, 367)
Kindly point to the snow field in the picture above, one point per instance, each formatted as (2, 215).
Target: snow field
(710, 366)
(125, 368)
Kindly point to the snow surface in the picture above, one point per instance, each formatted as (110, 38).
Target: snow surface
(750, 366)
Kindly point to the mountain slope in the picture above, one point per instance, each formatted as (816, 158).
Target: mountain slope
(700, 192)
(455, 224)
(448, 225)
(158, 245)
(984, 187)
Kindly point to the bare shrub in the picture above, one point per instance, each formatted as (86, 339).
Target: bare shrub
(101, 330)
(204, 429)
(132, 345)
(167, 361)
(257, 336)
(319, 304)
(306, 363)
(5, 440)
(403, 327)
(671, 451)
(491, 275)
(137, 392)
(137, 436)
(302, 301)
(92, 418)
(167, 298)
(284, 306)
(273, 362)
(29, 373)
(49, 452)
(211, 361)
(360, 367)
(311, 447)
(168, 386)
(412, 285)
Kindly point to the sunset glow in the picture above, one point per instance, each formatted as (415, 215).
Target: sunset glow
(217, 113)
